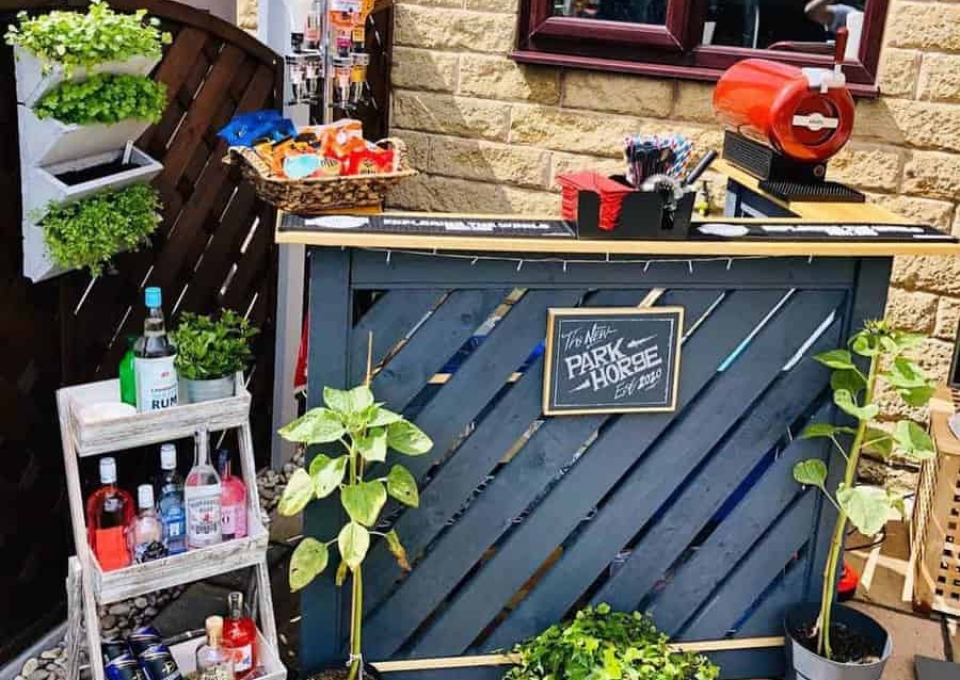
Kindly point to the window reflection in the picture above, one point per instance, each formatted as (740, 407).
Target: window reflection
(630, 11)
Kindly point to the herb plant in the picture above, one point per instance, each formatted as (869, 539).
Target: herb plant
(104, 98)
(91, 231)
(366, 430)
(599, 644)
(865, 507)
(77, 40)
(209, 348)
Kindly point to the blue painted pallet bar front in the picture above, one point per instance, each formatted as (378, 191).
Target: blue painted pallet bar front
(691, 515)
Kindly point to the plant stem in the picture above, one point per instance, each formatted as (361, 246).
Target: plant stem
(836, 542)
(356, 621)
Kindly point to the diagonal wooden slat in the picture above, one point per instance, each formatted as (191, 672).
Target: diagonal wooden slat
(391, 318)
(440, 336)
(758, 569)
(769, 613)
(699, 576)
(774, 412)
(701, 424)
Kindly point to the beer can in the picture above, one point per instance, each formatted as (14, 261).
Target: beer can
(124, 667)
(112, 649)
(143, 637)
(158, 664)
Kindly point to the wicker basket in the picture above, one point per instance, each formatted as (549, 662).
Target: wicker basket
(935, 528)
(316, 195)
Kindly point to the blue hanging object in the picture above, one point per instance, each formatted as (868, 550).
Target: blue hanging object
(246, 128)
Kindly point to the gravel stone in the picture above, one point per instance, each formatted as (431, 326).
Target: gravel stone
(38, 675)
(29, 667)
(119, 609)
(140, 603)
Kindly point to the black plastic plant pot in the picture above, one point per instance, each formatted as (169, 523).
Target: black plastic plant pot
(802, 664)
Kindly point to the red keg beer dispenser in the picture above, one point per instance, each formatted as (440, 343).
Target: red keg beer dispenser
(783, 123)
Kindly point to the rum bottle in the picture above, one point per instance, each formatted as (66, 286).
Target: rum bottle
(233, 500)
(240, 635)
(202, 497)
(145, 535)
(173, 516)
(214, 661)
(109, 511)
(153, 357)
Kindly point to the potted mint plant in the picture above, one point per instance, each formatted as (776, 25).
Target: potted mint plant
(825, 640)
(364, 431)
(210, 353)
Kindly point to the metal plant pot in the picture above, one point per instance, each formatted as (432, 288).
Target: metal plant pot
(196, 391)
(802, 664)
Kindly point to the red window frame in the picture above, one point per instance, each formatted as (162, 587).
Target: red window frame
(671, 50)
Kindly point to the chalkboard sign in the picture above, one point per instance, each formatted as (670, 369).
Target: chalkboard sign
(612, 360)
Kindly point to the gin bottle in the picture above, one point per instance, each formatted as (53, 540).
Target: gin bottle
(233, 500)
(214, 661)
(145, 535)
(153, 357)
(202, 497)
(240, 635)
(170, 501)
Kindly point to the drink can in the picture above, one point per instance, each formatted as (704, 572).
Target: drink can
(124, 667)
(158, 664)
(143, 637)
(112, 649)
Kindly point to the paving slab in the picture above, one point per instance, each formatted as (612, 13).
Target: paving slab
(911, 635)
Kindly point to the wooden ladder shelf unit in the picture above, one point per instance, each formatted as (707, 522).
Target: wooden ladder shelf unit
(84, 437)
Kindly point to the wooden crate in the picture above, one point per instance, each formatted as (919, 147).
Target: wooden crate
(936, 517)
(185, 654)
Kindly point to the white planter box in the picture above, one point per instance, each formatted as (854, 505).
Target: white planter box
(37, 263)
(40, 185)
(185, 654)
(46, 141)
(32, 84)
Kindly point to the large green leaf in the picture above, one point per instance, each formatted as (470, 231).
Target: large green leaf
(381, 416)
(373, 447)
(878, 441)
(397, 550)
(328, 476)
(308, 560)
(867, 507)
(402, 486)
(904, 373)
(297, 493)
(837, 359)
(364, 501)
(348, 401)
(844, 399)
(353, 541)
(316, 426)
(812, 472)
(917, 396)
(818, 430)
(913, 441)
(318, 462)
(851, 380)
(405, 437)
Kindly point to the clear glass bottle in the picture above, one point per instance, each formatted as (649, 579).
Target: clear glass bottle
(153, 358)
(128, 378)
(145, 533)
(233, 500)
(240, 635)
(170, 501)
(109, 512)
(214, 661)
(201, 496)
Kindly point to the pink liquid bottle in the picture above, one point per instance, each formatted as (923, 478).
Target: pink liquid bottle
(109, 512)
(233, 500)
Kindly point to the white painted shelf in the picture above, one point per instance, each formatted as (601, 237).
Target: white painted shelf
(185, 654)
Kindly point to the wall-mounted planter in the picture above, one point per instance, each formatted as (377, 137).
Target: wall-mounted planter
(32, 84)
(47, 141)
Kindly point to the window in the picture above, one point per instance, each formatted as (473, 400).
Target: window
(698, 39)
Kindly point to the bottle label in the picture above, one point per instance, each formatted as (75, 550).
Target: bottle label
(244, 659)
(203, 515)
(174, 526)
(156, 383)
(111, 548)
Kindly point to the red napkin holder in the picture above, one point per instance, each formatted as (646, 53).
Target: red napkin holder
(610, 191)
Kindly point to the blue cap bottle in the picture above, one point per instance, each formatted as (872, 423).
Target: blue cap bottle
(153, 297)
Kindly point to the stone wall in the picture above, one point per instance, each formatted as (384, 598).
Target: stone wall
(491, 135)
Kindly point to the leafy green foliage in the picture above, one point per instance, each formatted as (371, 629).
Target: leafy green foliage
(89, 232)
(599, 644)
(368, 431)
(812, 472)
(104, 98)
(209, 348)
(309, 559)
(76, 40)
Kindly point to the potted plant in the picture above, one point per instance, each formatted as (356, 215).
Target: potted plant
(210, 353)
(366, 431)
(825, 639)
(598, 643)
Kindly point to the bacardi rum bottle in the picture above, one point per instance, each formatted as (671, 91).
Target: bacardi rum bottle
(240, 635)
(109, 511)
(202, 497)
(153, 357)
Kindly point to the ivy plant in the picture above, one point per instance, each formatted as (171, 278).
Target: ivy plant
(89, 232)
(599, 644)
(209, 348)
(866, 507)
(366, 431)
(104, 98)
(73, 40)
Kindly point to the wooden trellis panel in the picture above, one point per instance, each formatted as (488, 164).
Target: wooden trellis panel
(692, 515)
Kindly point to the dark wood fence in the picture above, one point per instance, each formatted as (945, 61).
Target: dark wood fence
(691, 515)
(214, 248)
